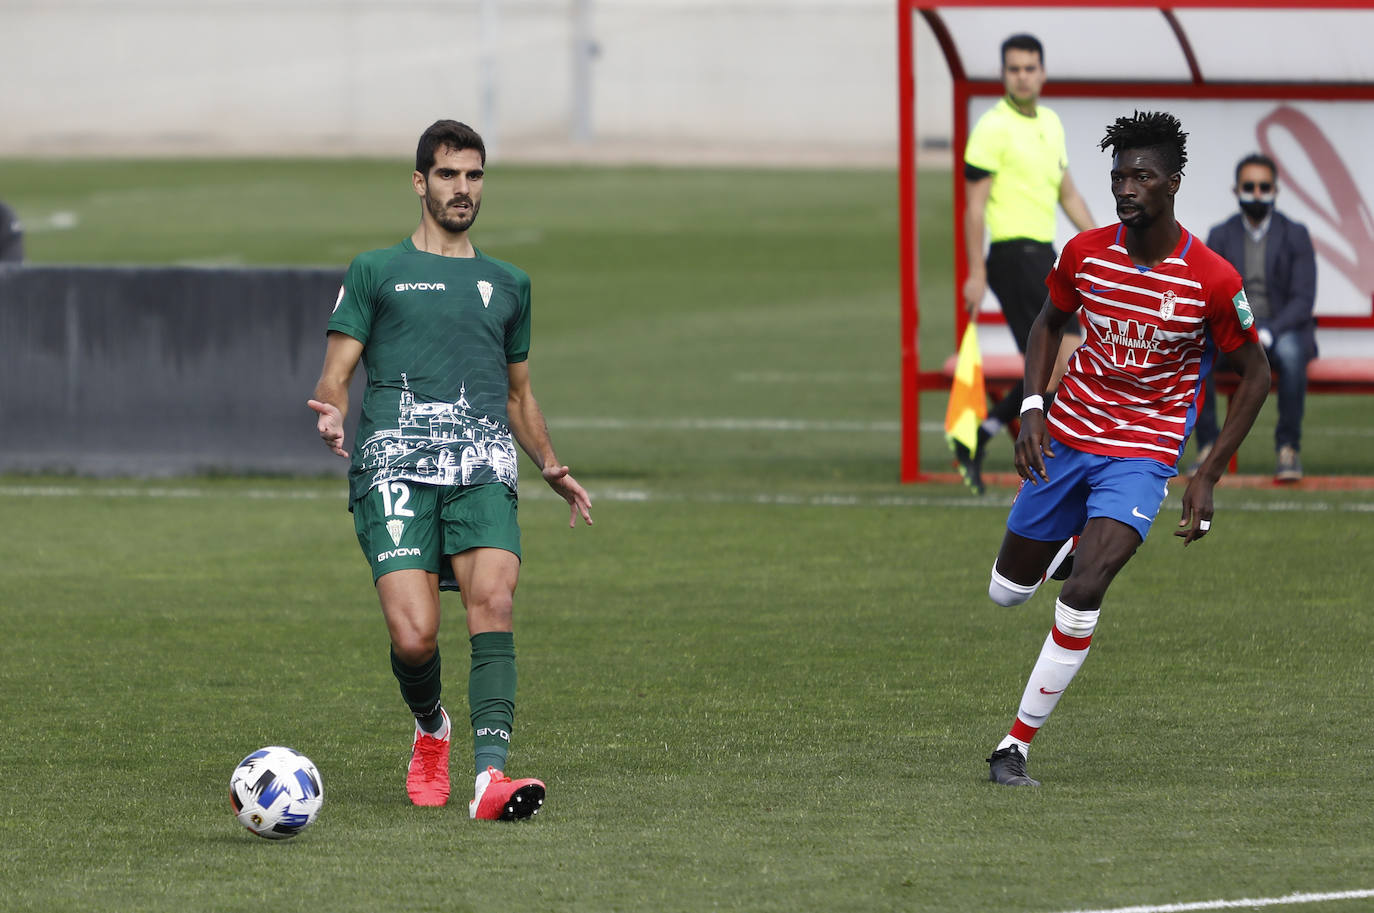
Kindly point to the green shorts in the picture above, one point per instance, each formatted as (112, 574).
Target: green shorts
(403, 525)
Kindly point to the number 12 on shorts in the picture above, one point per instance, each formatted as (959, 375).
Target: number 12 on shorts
(398, 507)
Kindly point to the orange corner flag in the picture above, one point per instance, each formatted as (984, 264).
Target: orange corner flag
(968, 403)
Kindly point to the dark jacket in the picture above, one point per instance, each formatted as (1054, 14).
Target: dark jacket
(1290, 271)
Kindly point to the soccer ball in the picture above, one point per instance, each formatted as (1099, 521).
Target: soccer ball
(276, 792)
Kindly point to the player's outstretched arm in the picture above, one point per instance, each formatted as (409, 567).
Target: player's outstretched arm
(1033, 444)
(1250, 362)
(532, 434)
(329, 423)
(579, 502)
(330, 402)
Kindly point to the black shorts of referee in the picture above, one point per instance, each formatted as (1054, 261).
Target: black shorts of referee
(1017, 269)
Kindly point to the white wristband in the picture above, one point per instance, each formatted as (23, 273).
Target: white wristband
(1035, 401)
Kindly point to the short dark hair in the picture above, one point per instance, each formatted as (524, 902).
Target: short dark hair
(451, 133)
(1257, 158)
(1023, 42)
(1149, 130)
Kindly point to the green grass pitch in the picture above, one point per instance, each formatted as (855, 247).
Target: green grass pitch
(765, 680)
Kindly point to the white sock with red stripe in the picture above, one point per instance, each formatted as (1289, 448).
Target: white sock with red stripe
(1060, 659)
(1007, 592)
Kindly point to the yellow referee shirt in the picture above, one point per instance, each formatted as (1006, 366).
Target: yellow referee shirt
(1027, 157)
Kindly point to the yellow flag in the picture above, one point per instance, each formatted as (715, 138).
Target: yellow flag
(968, 403)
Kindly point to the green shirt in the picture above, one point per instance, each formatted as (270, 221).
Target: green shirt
(1027, 157)
(438, 334)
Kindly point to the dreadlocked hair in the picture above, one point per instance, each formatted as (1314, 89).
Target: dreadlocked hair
(1149, 130)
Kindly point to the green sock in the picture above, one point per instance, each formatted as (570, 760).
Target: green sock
(491, 697)
(420, 689)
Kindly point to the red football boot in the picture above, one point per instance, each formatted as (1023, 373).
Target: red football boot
(427, 776)
(499, 798)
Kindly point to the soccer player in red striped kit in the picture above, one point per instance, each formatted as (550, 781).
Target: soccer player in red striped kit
(1158, 305)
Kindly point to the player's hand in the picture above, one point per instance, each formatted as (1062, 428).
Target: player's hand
(974, 289)
(329, 423)
(1033, 444)
(579, 502)
(1197, 509)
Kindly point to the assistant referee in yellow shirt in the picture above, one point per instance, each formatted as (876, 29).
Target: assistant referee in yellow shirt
(1016, 170)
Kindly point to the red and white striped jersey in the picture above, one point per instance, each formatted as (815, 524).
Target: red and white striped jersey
(1131, 387)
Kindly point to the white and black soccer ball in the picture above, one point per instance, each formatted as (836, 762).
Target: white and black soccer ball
(276, 792)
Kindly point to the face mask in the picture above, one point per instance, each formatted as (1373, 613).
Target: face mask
(1256, 205)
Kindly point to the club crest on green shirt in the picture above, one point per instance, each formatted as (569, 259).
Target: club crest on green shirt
(1243, 313)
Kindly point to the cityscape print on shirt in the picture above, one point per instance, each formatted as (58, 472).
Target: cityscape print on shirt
(465, 446)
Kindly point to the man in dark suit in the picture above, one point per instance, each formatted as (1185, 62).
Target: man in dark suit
(1274, 257)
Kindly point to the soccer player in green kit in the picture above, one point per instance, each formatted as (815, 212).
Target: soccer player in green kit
(443, 332)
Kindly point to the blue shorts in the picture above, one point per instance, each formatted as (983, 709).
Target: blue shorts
(1086, 485)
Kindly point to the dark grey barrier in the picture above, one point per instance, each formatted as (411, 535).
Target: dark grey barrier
(163, 370)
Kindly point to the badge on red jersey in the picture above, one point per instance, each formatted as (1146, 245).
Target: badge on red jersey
(1166, 305)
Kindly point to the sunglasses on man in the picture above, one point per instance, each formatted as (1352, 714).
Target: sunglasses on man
(1252, 186)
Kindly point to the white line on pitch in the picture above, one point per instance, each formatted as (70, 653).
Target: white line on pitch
(731, 424)
(1254, 903)
(839, 426)
(647, 496)
(815, 377)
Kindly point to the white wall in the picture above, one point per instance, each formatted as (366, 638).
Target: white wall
(770, 80)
